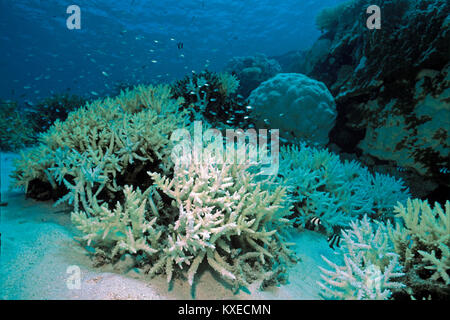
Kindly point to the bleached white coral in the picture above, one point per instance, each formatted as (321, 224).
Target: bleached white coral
(227, 218)
(212, 211)
(370, 265)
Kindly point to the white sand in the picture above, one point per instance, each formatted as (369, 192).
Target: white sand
(37, 247)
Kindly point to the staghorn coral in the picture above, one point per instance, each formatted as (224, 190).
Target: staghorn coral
(101, 147)
(422, 239)
(229, 83)
(370, 264)
(322, 185)
(217, 213)
(228, 218)
(129, 228)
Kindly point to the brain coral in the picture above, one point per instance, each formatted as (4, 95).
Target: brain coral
(302, 108)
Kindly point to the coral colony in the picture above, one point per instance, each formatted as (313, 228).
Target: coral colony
(221, 169)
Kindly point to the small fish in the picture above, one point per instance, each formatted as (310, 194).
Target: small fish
(94, 93)
(334, 240)
(105, 74)
(313, 223)
(249, 107)
(444, 170)
(180, 45)
(154, 61)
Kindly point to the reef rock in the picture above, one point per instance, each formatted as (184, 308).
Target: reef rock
(391, 85)
(300, 107)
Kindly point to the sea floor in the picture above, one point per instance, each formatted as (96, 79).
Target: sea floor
(38, 247)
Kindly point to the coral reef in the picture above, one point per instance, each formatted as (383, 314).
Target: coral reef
(252, 70)
(330, 18)
(16, 128)
(101, 147)
(212, 97)
(336, 191)
(97, 161)
(390, 85)
(300, 107)
(56, 107)
(214, 212)
(370, 265)
(422, 240)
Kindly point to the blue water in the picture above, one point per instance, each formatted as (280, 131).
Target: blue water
(135, 41)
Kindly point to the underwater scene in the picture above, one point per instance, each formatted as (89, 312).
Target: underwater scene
(225, 150)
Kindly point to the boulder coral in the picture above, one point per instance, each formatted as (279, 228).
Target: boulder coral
(251, 71)
(300, 107)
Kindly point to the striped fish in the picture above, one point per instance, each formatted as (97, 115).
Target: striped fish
(313, 223)
(334, 240)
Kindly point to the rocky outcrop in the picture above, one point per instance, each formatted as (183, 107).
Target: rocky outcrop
(391, 85)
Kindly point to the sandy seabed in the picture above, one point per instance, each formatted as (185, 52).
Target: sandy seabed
(38, 247)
